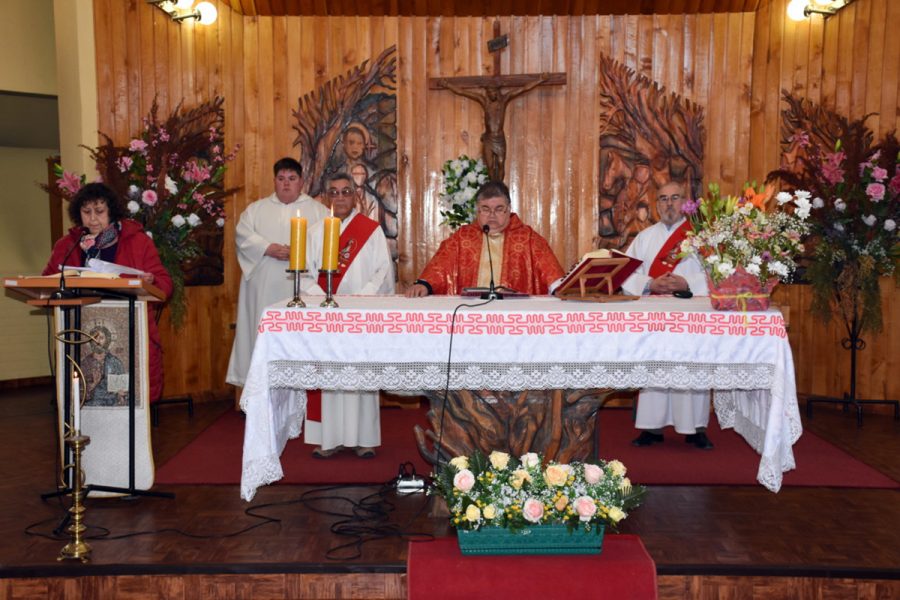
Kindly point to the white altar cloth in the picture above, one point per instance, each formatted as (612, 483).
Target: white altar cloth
(398, 343)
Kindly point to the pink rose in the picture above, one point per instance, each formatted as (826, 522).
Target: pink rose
(149, 198)
(533, 510)
(137, 145)
(879, 174)
(585, 507)
(464, 480)
(593, 474)
(875, 191)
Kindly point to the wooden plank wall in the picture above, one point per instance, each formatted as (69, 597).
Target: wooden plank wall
(263, 64)
(849, 63)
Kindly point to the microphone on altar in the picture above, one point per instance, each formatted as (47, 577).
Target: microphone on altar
(62, 292)
(491, 293)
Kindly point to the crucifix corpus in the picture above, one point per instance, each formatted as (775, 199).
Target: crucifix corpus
(494, 93)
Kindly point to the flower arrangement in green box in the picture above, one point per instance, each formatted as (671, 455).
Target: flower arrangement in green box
(503, 491)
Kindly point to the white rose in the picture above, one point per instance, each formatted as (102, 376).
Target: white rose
(220, 222)
(840, 205)
(870, 220)
(803, 207)
(818, 202)
(171, 186)
(890, 225)
(783, 198)
(193, 220)
(530, 460)
(133, 207)
(178, 221)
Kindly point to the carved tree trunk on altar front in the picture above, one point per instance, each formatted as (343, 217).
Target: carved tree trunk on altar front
(560, 424)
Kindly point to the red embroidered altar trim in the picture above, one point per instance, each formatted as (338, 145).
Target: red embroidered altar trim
(544, 323)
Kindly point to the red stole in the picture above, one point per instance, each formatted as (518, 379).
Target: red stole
(667, 258)
(353, 238)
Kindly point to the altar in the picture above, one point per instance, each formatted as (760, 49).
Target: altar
(398, 343)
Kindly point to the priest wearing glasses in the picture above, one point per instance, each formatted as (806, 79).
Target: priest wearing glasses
(665, 272)
(522, 260)
(339, 420)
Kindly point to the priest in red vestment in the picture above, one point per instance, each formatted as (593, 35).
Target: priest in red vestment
(522, 259)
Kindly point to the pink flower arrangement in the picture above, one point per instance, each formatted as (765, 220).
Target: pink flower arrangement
(501, 490)
(171, 178)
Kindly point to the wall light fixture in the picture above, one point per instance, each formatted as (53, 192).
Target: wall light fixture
(180, 10)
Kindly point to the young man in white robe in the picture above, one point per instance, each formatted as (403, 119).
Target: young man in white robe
(347, 420)
(262, 236)
(662, 272)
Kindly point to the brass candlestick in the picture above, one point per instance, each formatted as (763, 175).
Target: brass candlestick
(77, 549)
(297, 302)
(329, 301)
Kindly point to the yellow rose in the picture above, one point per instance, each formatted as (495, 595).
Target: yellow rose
(519, 477)
(556, 475)
(489, 511)
(460, 462)
(499, 460)
(625, 486)
(617, 468)
(561, 502)
(473, 513)
(616, 514)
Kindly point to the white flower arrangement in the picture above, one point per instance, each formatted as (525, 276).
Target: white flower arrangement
(502, 491)
(462, 178)
(735, 233)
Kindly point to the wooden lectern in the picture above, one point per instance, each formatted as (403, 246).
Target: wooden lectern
(103, 423)
(598, 276)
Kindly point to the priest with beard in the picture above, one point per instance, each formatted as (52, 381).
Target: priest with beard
(522, 259)
(339, 420)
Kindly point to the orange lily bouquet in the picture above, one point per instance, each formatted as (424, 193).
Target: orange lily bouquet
(758, 233)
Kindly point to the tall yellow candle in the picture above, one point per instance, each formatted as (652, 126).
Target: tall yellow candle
(330, 246)
(298, 243)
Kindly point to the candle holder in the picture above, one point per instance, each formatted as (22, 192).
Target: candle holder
(329, 301)
(77, 549)
(297, 302)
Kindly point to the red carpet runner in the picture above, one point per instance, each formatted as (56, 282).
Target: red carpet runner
(214, 457)
(438, 571)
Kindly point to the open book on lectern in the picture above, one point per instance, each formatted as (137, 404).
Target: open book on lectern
(600, 273)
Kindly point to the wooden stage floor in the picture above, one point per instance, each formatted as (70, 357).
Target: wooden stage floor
(707, 542)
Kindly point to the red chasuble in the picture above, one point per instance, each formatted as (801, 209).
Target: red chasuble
(353, 238)
(667, 258)
(529, 264)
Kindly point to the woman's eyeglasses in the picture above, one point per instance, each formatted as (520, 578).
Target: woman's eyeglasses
(334, 192)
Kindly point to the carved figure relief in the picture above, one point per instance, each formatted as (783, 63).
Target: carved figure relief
(349, 126)
(647, 137)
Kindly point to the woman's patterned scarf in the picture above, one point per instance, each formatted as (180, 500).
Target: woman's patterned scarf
(93, 244)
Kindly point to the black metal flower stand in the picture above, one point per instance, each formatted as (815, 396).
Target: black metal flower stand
(854, 343)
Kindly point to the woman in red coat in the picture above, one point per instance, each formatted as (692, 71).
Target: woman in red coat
(102, 231)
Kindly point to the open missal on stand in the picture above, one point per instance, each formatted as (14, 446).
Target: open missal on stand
(597, 276)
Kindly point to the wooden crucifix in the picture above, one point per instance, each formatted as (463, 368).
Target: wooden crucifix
(494, 92)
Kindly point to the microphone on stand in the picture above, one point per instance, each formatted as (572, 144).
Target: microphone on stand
(492, 293)
(62, 292)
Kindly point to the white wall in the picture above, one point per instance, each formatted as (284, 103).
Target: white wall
(24, 249)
